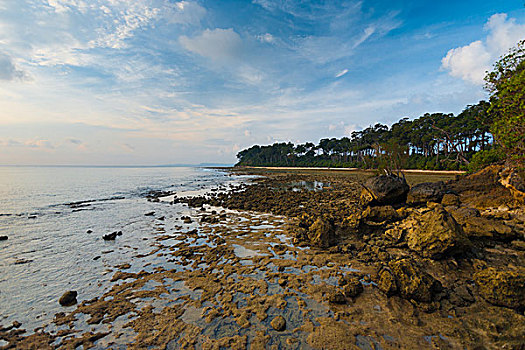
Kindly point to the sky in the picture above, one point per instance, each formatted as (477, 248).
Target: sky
(150, 82)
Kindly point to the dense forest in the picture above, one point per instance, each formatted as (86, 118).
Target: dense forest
(481, 134)
(432, 141)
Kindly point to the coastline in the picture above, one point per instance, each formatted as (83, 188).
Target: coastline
(299, 247)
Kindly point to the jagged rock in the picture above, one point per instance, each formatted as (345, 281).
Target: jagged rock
(477, 226)
(437, 235)
(426, 192)
(406, 278)
(384, 189)
(503, 288)
(450, 199)
(69, 298)
(336, 297)
(374, 216)
(278, 323)
(386, 281)
(353, 287)
(321, 233)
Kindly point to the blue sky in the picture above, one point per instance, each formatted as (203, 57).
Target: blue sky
(116, 82)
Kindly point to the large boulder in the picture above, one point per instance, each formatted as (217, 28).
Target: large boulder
(384, 189)
(503, 288)
(406, 278)
(426, 192)
(437, 235)
(321, 233)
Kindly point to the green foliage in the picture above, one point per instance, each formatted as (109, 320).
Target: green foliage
(487, 157)
(506, 83)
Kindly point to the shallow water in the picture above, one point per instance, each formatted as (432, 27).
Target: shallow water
(47, 211)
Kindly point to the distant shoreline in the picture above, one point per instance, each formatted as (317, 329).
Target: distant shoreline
(413, 171)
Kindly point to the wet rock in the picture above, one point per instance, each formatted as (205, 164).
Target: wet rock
(3, 238)
(379, 215)
(336, 297)
(89, 231)
(353, 287)
(411, 282)
(186, 219)
(321, 233)
(384, 189)
(502, 287)
(278, 323)
(519, 245)
(426, 192)
(437, 235)
(484, 227)
(68, 299)
(110, 236)
(450, 199)
(151, 213)
(461, 296)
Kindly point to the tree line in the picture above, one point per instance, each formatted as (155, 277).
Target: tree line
(481, 134)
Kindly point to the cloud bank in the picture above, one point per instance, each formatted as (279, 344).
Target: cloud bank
(471, 62)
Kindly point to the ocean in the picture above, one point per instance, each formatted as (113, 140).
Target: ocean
(55, 218)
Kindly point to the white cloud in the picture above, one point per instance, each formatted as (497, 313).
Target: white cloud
(266, 38)
(472, 61)
(217, 44)
(341, 73)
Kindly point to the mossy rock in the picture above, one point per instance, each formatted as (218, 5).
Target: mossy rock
(437, 235)
(502, 288)
(321, 233)
(410, 281)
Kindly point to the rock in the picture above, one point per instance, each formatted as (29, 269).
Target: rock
(186, 219)
(321, 233)
(3, 238)
(151, 213)
(406, 278)
(484, 227)
(278, 323)
(69, 298)
(437, 235)
(374, 216)
(502, 287)
(450, 199)
(336, 297)
(384, 189)
(89, 231)
(353, 287)
(519, 245)
(110, 236)
(511, 179)
(426, 192)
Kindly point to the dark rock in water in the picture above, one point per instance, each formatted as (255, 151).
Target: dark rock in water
(110, 236)
(278, 323)
(450, 199)
(96, 257)
(426, 192)
(437, 235)
(89, 231)
(186, 219)
(119, 233)
(384, 189)
(69, 298)
(353, 287)
(151, 213)
(321, 233)
(502, 287)
(373, 216)
(406, 278)
(3, 238)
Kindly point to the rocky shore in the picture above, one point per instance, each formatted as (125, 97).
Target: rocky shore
(322, 260)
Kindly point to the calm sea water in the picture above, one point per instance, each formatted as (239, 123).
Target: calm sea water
(46, 212)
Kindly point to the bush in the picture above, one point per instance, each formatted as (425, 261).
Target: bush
(483, 158)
